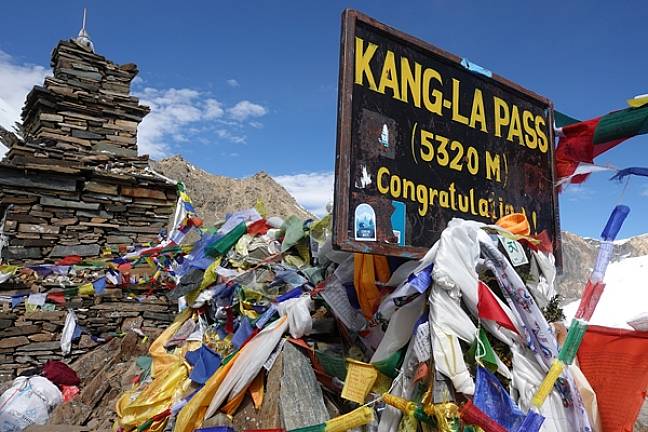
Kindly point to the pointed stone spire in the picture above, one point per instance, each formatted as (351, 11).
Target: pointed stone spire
(84, 38)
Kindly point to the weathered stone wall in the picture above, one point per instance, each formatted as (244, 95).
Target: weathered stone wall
(29, 339)
(56, 212)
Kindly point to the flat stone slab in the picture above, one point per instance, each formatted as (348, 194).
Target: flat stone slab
(80, 250)
(302, 402)
(55, 202)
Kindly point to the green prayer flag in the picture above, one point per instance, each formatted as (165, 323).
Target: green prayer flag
(390, 365)
(575, 335)
(294, 231)
(316, 428)
(332, 364)
(481, 350)
(621, 124)
(563, 120)
(221, 246)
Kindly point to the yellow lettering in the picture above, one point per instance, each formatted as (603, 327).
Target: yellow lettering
(395, 186)
(516, 126)
(443, 199)
(502, 117)
(422, 198)
(492, 166)
(464, 203)
(362, 59)
(451, 188)
(433, 105)
(382, 171)
(442, 154)
(477, 114)
(408, 185)
(411, 81)
(433, 195)
(389, 76)
(457, 161)
(456, 116)
(472, 160)
(426, 141)
(543, 142)
(483, 207)
(530, 138)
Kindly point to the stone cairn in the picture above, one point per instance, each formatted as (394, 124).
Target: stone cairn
(74, 181)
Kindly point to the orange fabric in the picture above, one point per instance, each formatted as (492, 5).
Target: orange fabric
(257, 389)
(366, 270)
(614, 362)
(516, 223)
(232, 405)
(382, 268)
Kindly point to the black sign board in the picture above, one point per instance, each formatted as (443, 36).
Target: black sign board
(425, 136)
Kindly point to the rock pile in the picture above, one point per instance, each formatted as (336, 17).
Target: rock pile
(74, 184)
(83, 114)
(79, 211)
(29, 339)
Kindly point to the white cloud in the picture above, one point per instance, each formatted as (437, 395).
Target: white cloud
(214, 109)
(16, 80)
(178, 115)
(233, 83)
(171, 111)
(313, 191)
(256, 124)
(246, 109)
(225, 134)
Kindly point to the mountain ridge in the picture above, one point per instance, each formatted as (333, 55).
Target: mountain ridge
(214, 195)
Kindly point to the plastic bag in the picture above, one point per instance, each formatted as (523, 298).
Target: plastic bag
(28, 401)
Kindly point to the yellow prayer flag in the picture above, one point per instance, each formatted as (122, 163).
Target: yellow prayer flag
(382, 384)
(358, 417)
(638, 101)
(261, 208)
(359, 380)
(86, 290)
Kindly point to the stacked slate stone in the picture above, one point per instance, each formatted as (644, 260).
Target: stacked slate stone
(81, 212)
(30, 338)
(84, 114)
(73, 183)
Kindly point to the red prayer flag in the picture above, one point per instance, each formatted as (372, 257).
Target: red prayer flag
(614, 362)
(489, 308)
(69, 260)
(259, 227)
(576, 146)
(470, 414)
(56, 297)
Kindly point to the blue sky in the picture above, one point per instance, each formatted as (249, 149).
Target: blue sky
(238, 87)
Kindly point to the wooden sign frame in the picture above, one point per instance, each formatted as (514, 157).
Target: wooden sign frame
(342, 231)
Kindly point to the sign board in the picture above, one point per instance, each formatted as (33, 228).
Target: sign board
(425, 136)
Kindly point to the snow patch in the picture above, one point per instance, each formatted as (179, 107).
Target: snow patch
(625, 295)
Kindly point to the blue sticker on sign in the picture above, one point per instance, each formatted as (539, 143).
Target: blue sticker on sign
(398, 222)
